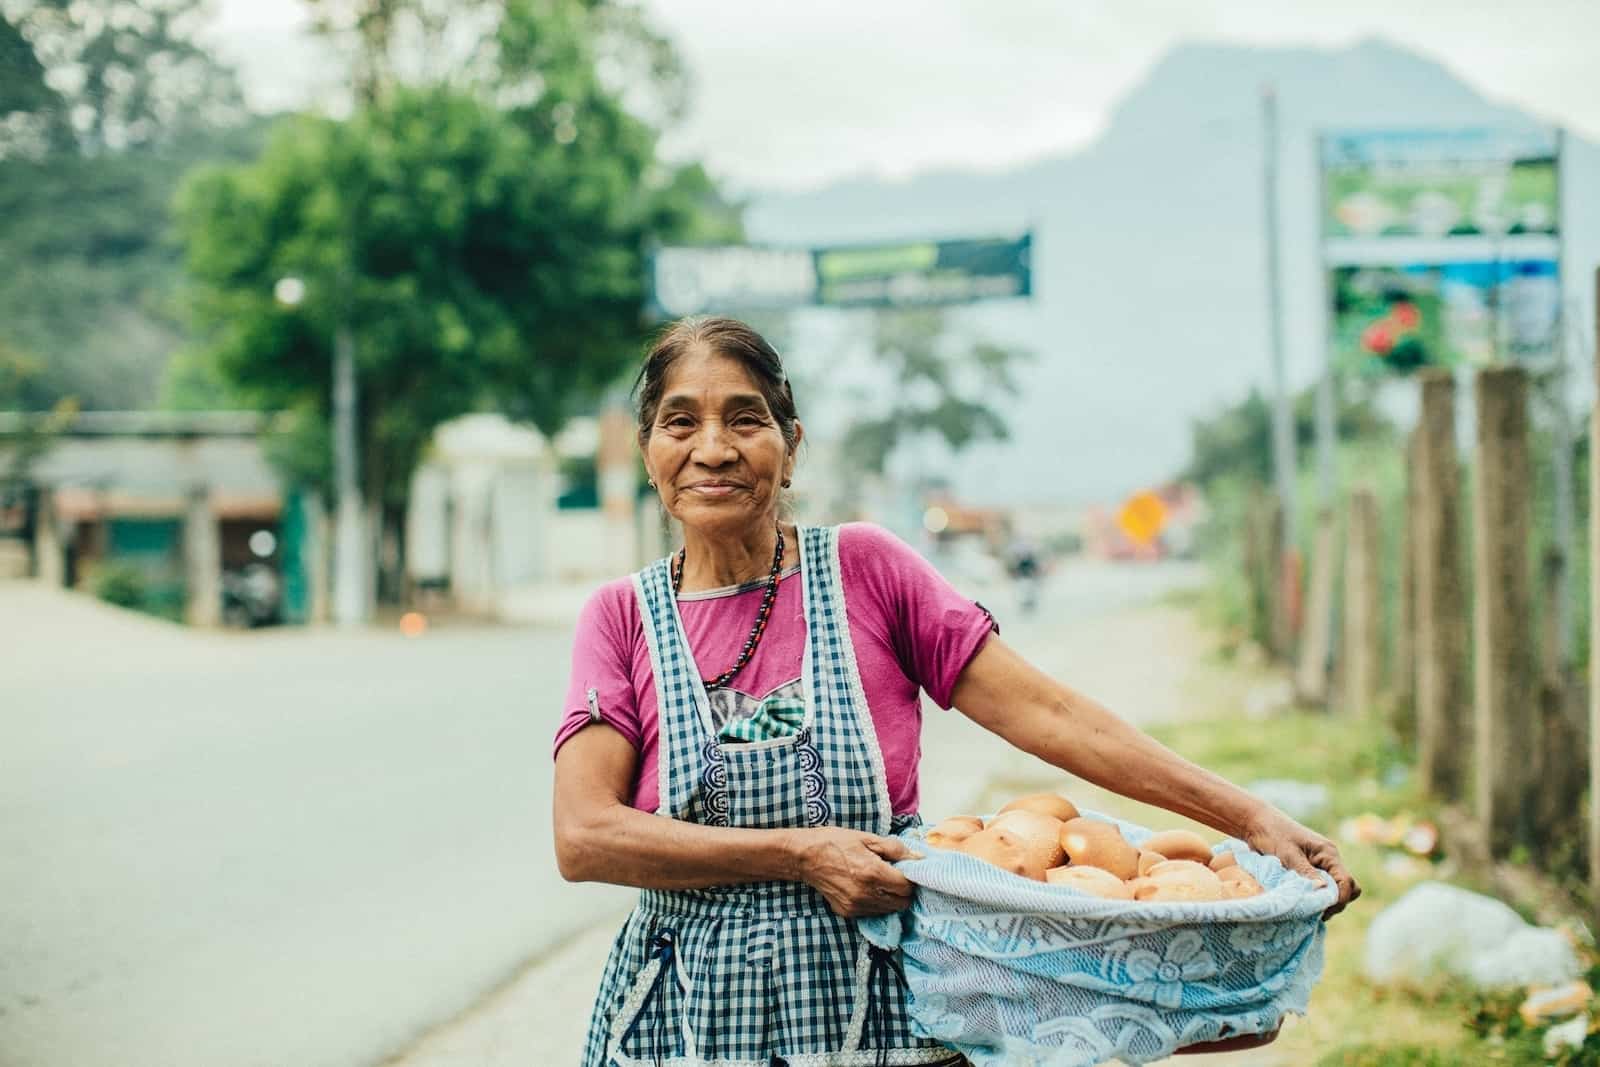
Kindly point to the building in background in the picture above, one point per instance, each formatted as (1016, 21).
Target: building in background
(175, 513)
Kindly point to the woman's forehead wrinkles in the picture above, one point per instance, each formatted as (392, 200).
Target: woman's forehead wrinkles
(691, 401)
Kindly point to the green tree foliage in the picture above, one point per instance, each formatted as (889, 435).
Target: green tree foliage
(1237, 441)
(941, 387)
(476, 258)
(103, 105)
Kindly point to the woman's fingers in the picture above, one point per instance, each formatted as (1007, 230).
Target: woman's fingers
(890, 848)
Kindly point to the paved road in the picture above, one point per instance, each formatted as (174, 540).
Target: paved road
(288, 849)
(298, 849)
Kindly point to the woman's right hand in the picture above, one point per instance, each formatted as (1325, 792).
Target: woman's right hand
(851, 870)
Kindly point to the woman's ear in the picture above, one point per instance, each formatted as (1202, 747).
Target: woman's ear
(794, 452)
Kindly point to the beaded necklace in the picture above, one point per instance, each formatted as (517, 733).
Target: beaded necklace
(762, 613)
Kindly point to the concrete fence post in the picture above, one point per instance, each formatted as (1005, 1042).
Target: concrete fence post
(1508, 726)
(1444, 721)
(1402, 667)
(1361, 651)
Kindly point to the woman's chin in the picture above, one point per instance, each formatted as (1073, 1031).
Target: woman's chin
(712, 512)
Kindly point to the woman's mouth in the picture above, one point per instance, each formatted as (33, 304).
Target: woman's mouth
(715, 488)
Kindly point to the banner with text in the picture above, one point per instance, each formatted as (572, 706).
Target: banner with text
(740, 278)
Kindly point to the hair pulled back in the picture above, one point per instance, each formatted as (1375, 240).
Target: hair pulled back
(726, 337)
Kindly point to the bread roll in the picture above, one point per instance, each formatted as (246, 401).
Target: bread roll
(1179, 845)
(1042, 832)
(1090, 880)
(1092, 843)
(1005, 849)
(1187, 871)
(1162, 891)
(952, 831)
(1242, 886)
(1222, 859)
(1051, 804)
(1235, 873)
(1148, 860)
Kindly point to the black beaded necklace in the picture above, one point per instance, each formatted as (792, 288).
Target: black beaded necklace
(762, 613)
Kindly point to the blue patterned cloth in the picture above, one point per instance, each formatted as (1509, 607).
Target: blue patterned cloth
(744, 974)
(1009, 970)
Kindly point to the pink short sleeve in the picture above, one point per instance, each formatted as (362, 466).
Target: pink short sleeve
(935, 630)
(601, 662)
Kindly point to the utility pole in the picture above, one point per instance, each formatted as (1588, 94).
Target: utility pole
(349, 530)
(349, 570)
(1283, 457)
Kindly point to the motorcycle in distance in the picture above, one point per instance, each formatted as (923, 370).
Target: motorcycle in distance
(250, 596)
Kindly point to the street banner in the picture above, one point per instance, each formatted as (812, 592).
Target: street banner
(740, 278)
(1441, 246)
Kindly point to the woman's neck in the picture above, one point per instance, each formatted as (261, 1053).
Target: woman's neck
(712, 560)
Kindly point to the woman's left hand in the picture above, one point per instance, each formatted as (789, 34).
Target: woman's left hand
(1301, 850)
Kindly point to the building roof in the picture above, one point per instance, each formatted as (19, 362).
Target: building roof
(148, 463)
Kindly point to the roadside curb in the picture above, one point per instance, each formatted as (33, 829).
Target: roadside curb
(541, 1012)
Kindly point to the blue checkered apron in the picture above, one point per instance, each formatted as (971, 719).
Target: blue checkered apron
(760, 974)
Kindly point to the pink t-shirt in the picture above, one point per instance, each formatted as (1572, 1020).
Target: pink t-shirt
(912, 631)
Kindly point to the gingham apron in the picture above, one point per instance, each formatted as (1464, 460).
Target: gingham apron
(760, 974)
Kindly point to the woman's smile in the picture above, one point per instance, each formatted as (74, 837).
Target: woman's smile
(715, 488)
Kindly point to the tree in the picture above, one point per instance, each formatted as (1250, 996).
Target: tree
(1237, 441)
(478, 260)
(940, 388)
(103, 105)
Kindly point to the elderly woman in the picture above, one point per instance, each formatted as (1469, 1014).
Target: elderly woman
(741, 741)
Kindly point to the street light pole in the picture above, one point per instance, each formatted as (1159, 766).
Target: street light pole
(349, 572)
(349, 533)
(1283, 450)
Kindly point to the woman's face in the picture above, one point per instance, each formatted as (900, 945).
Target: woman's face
(715, 450)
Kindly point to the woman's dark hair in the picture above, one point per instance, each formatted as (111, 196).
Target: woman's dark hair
(726, 337)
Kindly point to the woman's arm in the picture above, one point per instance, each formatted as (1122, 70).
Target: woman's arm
(599, 838)
(1005, 694)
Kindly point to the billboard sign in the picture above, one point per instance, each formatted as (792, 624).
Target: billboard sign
(1389, 319)
(739, 278)
(1438, 185)
(1441, 246)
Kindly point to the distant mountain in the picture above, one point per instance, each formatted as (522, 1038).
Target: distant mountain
(1150, 297)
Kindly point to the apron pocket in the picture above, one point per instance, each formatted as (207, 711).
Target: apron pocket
(648, 1024)
(773, 784)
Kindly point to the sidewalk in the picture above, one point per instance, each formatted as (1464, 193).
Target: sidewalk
(1149, 662)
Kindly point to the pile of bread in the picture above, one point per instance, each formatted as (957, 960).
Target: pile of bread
(1044, 838)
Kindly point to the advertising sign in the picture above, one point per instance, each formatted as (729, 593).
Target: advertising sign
(733, 279)
(1390, 319)
(1437, 184)
(1441, 245)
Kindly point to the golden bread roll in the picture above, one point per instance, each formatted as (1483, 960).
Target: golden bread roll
(952, 831)
(1051, 804)
(1243, 886)
(1042, 832)
(1235, 873)
(1186, 871)
(1090, 880)
(1179, 845)
(1005, 849)
(1148, 860)
(1161, 891)
(1092, 843)
(1223, 859)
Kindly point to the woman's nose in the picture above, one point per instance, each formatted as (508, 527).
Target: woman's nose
(712, 446)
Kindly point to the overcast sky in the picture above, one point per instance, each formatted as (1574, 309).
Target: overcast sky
(794, 95)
